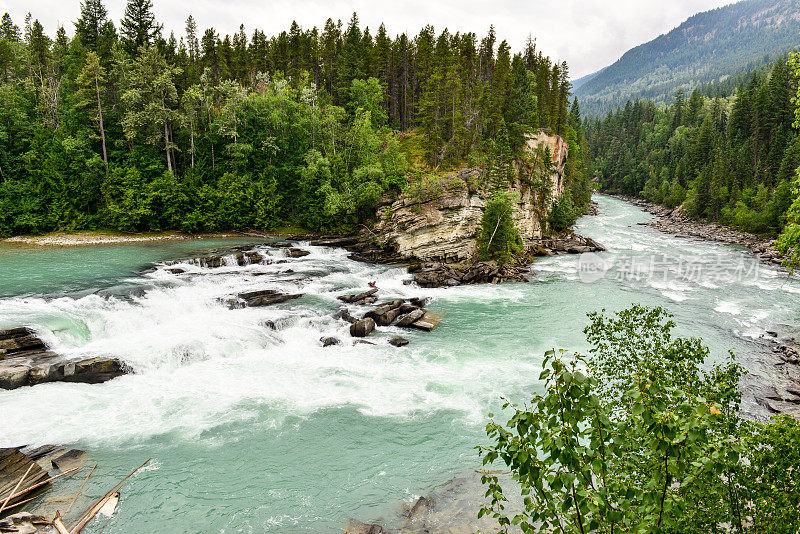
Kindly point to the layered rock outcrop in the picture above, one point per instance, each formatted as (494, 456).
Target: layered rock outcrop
(26, 361)
(438, 218)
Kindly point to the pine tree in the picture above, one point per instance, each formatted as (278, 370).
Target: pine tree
(211, 58)
(192, 43)
(91, 25)
(9, 30)
(139, 27)
(351, 63)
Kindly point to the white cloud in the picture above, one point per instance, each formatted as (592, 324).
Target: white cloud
(588, 34)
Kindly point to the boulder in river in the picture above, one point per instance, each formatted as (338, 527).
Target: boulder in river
(344, 315)
(398, 341)
(335, 242)
(388, 318)
(357, 527)
(329, 341)
(427, 322)
(362, 328)
(419, 302)
(383, 309)
(411, 317)
(356, 298)
(263, 297)
(16, 340)
(68, 460)
(298, 253)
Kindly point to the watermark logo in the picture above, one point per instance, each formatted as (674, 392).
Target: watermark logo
(592, 267)
(697, 269)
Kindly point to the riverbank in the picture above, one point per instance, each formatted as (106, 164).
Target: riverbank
(677, 223)
(101, 237)
(74, 239)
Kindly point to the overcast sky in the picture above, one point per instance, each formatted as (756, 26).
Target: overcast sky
(588, 34)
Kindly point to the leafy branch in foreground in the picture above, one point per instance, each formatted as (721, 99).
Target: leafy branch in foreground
(637, 437)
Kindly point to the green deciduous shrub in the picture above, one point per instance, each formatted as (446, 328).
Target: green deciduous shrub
(499, 238)
(641, 436)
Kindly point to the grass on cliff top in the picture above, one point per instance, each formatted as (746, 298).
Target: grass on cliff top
(427, 183)
(411, 144)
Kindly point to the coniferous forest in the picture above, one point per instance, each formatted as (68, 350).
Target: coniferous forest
(126, 128)
(726, 156)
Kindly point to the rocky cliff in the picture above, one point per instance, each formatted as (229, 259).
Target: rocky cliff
(438, 217)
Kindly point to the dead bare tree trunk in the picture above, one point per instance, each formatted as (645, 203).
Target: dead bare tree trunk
(100, 119)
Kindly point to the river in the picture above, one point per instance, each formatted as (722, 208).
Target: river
(260, 430)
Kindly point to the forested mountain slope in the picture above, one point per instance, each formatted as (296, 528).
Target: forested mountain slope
(730, 159)
(708, 46)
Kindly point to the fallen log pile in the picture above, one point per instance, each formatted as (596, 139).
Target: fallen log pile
(27, 487)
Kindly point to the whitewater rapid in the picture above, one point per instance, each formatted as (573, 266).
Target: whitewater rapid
(197, 364)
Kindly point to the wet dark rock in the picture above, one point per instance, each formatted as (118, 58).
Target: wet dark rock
(40, 452)
(356, 298)
(298, 253)
(211, 262)
(419, 302)
(344, 315)
(407, 308)
(38, 367)
(415, 520)
(362, 328)
(68, 460)
(175, 270)
(279, 324)
(335, 241)
(395, 303)
(264, 297)
(411, 317)
(18, 340)
(329, 341)
(282, 245)
(388, 318)
(357, 527)
(427, 322)
(254, 257)
(380, 310)
(398, 341)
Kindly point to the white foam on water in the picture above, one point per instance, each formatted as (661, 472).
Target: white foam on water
(730, 307)
(198, 364)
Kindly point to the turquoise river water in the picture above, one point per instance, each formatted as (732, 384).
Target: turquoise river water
(258, 430)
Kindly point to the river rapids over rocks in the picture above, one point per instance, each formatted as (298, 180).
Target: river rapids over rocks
(255, 426)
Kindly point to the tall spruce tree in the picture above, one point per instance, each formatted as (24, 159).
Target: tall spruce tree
(139, 27)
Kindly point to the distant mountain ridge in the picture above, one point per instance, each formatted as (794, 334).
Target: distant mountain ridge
(706, 47)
